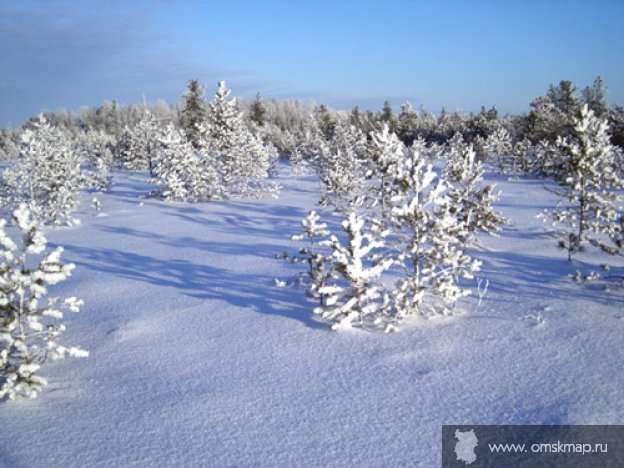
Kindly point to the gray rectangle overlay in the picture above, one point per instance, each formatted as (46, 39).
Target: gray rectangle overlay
(532, 446)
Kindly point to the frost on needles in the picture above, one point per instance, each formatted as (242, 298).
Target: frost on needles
(46, 176)
(29, 326)
(359, 296)
(402, 252)
(470, 200)
(222, 159)
(317, 275)
(588, 176)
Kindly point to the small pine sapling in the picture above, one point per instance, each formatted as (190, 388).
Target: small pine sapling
(96, 154)
(146, 132)
(341, 170)
(136, 148)
(240, 159)
(29, 330)
(310, 150)
(430, 152)
(426, 243)
(499, 146)
(588, 182)
(386, 154)
(525, 156)
(181, 172)
(319, 264)
(469, 200)
(193, 112)
(46, 176)
(356, 296)
(454, 151)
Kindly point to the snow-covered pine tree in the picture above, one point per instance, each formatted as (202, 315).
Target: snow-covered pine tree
(386, 154)
(318, 262)
(426, 242)
(499, 148)
(8, 147)
(122, 152)
(588, 177)
(325, 120)
(456, 149)
(454, 154)
(341, 169)
(546, 120)
(147, 133)
(273, 156)
(182, 172)
(224, 134)
(96, 153)
(429, 151)
(595, 96)
(479, 144)
(422, 234)
(271, 138)
(284, 142)
(547, 159)
(193, 113)
(387, 117)
(29, 328)
(130, 152)
(310, 150)
(564, 96)
(257, 111)
(470, 200)
(136, 148)
(347, 137)
(257, 161)
(525, 156)
(240, 159)
(356, 296)
(46, 176)
(407, 124)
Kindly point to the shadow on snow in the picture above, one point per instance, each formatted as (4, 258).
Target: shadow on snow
(202, 281)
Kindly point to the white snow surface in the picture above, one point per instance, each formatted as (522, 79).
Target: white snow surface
(197, 359)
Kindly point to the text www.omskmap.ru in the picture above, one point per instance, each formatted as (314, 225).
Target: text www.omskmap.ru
(557, 447)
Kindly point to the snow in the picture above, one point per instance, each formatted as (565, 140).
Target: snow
(198, 359)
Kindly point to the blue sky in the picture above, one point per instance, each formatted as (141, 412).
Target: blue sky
(457, 54)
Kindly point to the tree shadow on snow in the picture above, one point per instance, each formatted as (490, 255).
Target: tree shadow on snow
(242, 218)
(256, 292)
(257, 249)
(517, 275)
(6, 459)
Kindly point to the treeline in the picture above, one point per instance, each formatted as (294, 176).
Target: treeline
(285, 122)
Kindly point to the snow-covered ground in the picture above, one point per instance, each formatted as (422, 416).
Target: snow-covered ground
(198, 360)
